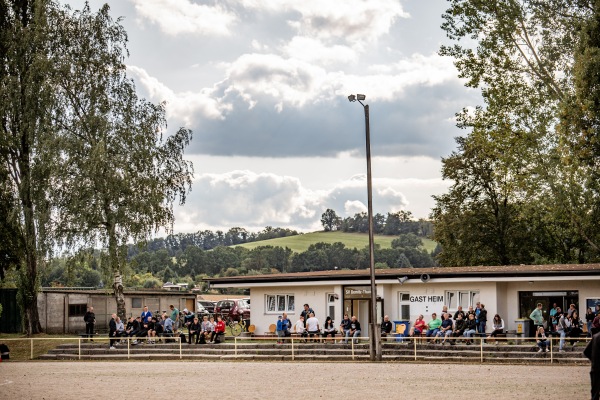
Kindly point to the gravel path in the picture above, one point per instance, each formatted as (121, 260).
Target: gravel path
(277, 380)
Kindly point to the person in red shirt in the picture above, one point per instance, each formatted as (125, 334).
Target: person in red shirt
(419, 326)
(219, 330)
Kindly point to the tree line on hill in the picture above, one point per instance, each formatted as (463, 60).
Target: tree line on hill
(151, 266)
(392, 224)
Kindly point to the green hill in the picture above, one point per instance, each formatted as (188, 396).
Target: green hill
(300, 243)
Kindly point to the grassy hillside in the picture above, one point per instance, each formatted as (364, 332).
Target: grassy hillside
(359, 240)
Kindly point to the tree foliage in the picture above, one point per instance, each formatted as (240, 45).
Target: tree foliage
(26, 137)
(120, 172)
(522, 189)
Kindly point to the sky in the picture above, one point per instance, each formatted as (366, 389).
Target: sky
(264, 85)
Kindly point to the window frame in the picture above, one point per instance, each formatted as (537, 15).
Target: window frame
(458, 296)
(75, 310)
(274, 303)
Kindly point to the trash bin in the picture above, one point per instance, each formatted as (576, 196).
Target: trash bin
(523, 327)
(401, 329)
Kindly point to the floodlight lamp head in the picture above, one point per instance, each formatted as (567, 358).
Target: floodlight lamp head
(352, 98)
(402, 279)
(361, 97)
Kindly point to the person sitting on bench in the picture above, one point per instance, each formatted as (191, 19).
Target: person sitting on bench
(313, 327)
(419, 327)
(219, 333)
(497, 325)
(386, 326)
(300, 329)
(194, 331)
(329, 329)
(459, 328)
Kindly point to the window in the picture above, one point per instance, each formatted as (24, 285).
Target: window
(77, 310)
(404, 306)
(463, 298)
(136, 302)
(280, 303)
(331, 305)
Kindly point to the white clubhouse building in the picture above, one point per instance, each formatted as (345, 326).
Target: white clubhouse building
(403, 294)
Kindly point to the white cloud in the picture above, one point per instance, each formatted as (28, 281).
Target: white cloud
(176, 17)
(354, 207)
(255, 200)
(314, 51)
(349, 20)
(183, 106)
(295, 82)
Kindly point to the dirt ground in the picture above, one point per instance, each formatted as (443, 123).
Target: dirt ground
(278, 380)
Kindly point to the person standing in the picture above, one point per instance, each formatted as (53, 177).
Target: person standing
(90, 321)
(537, 316)
(112, 330)
(279, 330)
(481, 325)
(174, 317)
(589, 319)
(146, 315)
(596, 324)
(553, 319)
(306, 313)
(458, 312)
(592, 353)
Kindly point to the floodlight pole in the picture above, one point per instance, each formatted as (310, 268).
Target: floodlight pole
(374, 341)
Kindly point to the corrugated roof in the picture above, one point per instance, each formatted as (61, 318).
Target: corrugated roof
(217, 297)
(438, 272)
(157, 292)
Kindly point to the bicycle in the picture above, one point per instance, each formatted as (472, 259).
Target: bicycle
(236, 327)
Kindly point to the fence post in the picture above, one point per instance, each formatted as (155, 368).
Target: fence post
(292, 338)
(31, 340)
(235, 345)
(481, 349)
(415, 344)
(551, 350)
(128, 342)
(352, 339)
(180, 354)
(79, 346)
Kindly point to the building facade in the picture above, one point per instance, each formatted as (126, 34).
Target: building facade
(61, 310)
(403, 294)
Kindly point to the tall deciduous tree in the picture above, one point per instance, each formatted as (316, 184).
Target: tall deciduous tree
(26, 136)
(529, 198)
(120, 172)
(330, 220)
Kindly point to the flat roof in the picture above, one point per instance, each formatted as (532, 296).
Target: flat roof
(415, 273)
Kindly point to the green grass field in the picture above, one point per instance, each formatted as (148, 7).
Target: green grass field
(300, 243)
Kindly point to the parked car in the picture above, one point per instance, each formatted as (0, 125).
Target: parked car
(209, 306)
(234, 309)
(201, 310)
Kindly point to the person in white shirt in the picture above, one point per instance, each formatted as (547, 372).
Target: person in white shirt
(300, 330)
(498, 326)
(312, 326)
